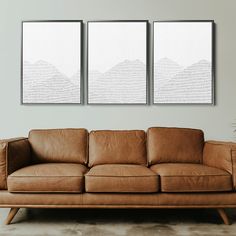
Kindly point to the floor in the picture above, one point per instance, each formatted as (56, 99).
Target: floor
(97, 222)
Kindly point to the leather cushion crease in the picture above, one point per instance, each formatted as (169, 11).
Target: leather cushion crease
(121, 178)
(117, 147)
(14, 154)
(50, 177)
(59, 145)
(180, 145)
(221, 155)
(176, 177)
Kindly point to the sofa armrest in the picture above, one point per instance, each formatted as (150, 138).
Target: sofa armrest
(221, 155)
(14, 154)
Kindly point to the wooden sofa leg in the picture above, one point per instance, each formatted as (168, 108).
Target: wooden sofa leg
(11, 215)
(223, 216)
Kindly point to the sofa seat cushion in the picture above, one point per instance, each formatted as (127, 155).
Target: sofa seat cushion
(51, 177)
(121, 178)
(192, 178)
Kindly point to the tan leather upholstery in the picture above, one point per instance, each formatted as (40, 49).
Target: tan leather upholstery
(160, 199)
(218, 199)
(192, 178)
(121, 178)
(53, 199)
(221, 155)
(118, 177)
(51, 177)
(59, 145)
(14, 154)
(174, 145)
(124, 200)
(117, 147)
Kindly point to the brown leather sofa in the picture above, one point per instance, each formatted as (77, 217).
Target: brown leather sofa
(163, 168)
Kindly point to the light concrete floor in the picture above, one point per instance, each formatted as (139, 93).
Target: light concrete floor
(97, 222)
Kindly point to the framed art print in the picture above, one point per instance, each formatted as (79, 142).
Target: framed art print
(183, 67)
(117, 62)
(51, 62)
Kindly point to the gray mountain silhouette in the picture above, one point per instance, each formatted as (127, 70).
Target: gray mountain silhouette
(75, 78)
(43, 83)
(123, 83)
(165, 69)
(191, 85)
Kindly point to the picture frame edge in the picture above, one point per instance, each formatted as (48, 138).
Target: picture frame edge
(81, 63)
(213, 79)
(147, 58)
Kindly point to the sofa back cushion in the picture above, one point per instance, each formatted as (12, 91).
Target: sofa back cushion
(174, 145)
(59, 145)
(117, 147)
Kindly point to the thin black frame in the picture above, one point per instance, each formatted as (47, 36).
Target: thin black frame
(212, 59)
(81, 62)
(147, 61)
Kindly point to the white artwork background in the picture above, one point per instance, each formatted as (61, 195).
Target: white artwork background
(182, 62)
(51, 62)
(117, 62)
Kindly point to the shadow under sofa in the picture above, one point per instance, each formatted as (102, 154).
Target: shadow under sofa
(160, 168)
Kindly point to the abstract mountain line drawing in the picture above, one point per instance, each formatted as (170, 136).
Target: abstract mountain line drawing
(123, 82)
(51, 62)
(183, 62)
(44, 83)
(173, 82)
(117, 62)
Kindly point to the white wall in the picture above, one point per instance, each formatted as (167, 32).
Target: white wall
(17, 119)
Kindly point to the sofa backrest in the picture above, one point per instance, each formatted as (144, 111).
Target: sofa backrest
(59, 145)
(117, 147)
(174, 145)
